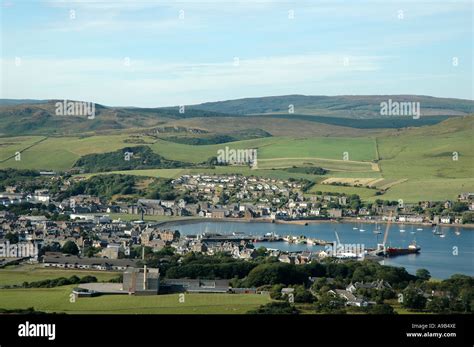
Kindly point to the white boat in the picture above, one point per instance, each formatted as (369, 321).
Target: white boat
(442, 235)
(437, 232)
(402, 230)
(355, 228)
(457, 232)
(361, 230)
(419, 229)
(377, 229)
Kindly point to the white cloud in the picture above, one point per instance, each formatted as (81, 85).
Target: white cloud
(154, 83)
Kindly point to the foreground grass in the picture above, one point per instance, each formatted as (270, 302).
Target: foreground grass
(57, 300)
(14, 275)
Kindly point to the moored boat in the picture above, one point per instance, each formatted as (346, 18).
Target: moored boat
(394, 251)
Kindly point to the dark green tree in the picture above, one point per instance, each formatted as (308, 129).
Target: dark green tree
(70, 247)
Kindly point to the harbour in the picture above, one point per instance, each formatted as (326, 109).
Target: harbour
(442, 256)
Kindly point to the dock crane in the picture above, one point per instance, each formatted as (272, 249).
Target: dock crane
(381, 246)
(344, 253)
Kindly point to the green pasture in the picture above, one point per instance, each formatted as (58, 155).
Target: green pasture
(58, 300)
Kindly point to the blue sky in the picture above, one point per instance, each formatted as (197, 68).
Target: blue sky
(159, 53)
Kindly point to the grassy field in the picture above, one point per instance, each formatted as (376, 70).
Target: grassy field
(364, 193)
(415, 164)
(57, 300)
(10, 145)
(423, 157)
(414, 190)
(13, 275)
(58, 153)
(329, 164)
(358, 149)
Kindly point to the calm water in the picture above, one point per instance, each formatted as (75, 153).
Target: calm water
(437, 254)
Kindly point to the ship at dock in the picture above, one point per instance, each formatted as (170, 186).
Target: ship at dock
(388, 251)
(394, 251)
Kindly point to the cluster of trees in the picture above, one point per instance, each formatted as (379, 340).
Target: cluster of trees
(104, 186)
(162, 189)
(213, 267)
(270, 274)
(269, 271)
(12, 177)
(129, 158)
(312, 170)
(300, 295)
(453, 295)
(29, 310)
(62, 281)
(70, 247)
(275, 308)
(29, 208)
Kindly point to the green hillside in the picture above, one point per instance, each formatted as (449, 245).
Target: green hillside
(346, 106)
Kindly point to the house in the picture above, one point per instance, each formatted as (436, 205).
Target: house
(466, 197)
(168, 235)
(54, 259)
(248, 254)
(170, 285)
(199, 247)
(351, 299)
(42, 195)
(218, 213)
(377, 285)
(446, 220)
(167, 203)
(335, 213)
(111, 251)
(285, 258)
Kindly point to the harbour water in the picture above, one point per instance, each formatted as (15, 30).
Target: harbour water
(443, 256)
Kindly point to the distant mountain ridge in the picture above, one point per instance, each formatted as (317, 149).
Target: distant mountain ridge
(29, 117)
(344, 106)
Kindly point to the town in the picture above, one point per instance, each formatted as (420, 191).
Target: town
(56, 229)
(39, 219)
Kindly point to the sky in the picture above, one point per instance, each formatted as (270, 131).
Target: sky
(160, 53)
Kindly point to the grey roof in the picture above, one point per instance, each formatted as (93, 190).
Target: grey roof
(72, 259)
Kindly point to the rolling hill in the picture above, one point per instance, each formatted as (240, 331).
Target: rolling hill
(345, 106)
(38, 117)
